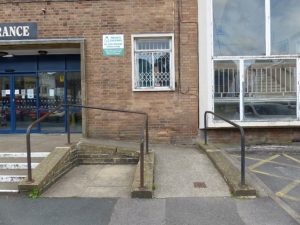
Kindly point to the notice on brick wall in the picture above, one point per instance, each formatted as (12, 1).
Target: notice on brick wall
(113, 45)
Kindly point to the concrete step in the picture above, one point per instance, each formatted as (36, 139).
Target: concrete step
(23, 154)
(17, 166)
(7, 187)
(13, 168)
(11, 178)
(13, 172)
(19, 160)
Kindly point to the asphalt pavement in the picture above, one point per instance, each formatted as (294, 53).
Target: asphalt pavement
(280, 172)
(274, 169)
(188, 191)
(126, 211)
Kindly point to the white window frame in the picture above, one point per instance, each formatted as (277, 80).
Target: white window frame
(172, 61)
(206, 69)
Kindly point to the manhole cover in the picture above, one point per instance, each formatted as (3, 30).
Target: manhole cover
(199, 185)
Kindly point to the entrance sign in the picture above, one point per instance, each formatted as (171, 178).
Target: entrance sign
(113, 45)
(18, 31)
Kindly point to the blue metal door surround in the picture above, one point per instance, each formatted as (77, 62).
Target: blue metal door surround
(31, 66)
(15, 108)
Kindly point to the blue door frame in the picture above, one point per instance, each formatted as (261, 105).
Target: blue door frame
(33, 65)
(12, 99)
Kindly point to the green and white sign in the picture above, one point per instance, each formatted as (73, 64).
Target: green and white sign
(113, 45)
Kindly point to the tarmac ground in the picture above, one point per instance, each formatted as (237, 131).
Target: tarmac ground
(125, 211)
(280, 172)
(188, 191)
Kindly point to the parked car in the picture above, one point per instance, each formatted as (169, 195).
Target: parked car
(269, 110)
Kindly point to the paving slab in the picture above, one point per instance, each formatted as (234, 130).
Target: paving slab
(198, 211)
(138, 212)
(94, 181)
(39, 142)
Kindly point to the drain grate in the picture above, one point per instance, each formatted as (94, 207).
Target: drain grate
(199, 185)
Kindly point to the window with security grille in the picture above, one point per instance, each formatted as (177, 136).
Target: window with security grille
(153, 60)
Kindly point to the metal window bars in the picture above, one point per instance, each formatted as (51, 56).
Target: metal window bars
(259, 81)
(152, 63)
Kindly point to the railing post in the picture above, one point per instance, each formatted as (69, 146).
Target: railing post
(242, 141)
(68, 124)
(242, 157)
(205, 126)
(147, 135)
(142, 164)
(28, 157)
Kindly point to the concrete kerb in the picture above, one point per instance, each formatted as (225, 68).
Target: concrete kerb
(228, 170)
(55, 165)
(63, 159)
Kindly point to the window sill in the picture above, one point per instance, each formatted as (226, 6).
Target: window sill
(154, 89)
(255, 124)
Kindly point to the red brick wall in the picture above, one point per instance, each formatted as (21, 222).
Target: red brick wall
(173, 116)
(269, 135)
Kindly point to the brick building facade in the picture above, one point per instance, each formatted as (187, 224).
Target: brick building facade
(78, 27)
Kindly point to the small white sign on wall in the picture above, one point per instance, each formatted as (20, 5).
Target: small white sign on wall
(113, 45)
(30, 93)
(51, 92)
(23, 93)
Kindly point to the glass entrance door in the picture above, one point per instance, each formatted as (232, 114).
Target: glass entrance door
(24, 95)
(5, 104)
(52, 94)
(18, 102)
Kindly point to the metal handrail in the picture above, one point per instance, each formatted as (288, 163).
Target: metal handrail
(242, 140)
(113, 110)
(144, 130)
(28, 144)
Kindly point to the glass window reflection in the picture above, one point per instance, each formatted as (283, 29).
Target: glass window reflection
(227, 89)
(239, 27)
(51, 95)
(285, 27)
(74, 98)
(270, 89)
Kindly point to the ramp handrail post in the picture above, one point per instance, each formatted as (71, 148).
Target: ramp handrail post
(142, 164)
(242, 138)
(205, 126)
(242, 156)
(147, 135)
(68, 124)
(28, 146)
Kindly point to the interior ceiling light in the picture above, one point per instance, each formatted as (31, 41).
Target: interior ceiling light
(42, 52)
(8, 56)
(3, 54)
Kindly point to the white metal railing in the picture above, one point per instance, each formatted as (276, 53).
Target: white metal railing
(259, 81)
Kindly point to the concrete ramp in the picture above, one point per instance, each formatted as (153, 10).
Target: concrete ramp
(183, 171)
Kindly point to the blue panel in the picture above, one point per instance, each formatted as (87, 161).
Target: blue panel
(42, 63)
(73, 62)
(51, 63)
(18, 64)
